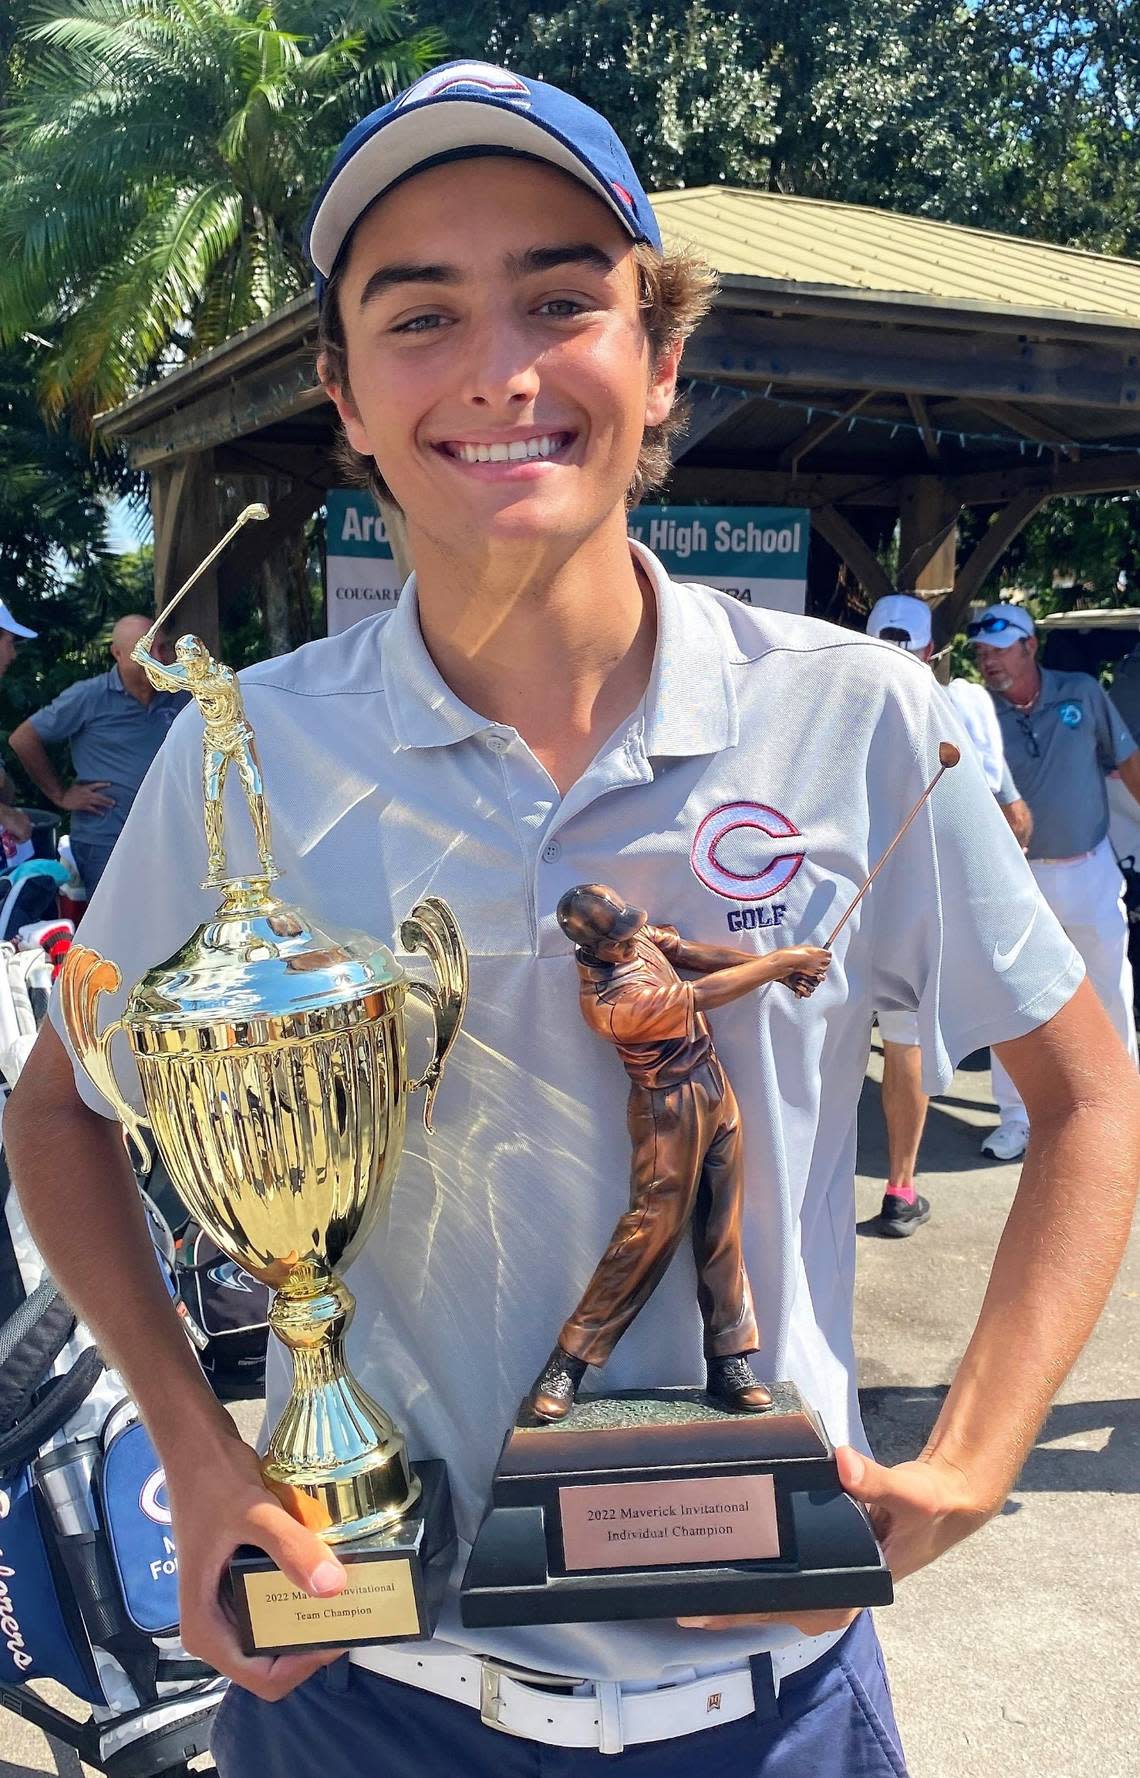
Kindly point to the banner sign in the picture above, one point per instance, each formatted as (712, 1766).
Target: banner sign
(361, 577)
(756, 553)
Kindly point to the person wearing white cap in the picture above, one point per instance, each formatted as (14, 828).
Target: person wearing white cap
(501, 331)
(13, 820)
(1062, 736)
(905, 620)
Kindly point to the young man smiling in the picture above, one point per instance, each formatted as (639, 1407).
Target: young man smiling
(546, 708)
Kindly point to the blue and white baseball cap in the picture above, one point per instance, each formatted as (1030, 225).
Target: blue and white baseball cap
(1002, 625)
(462, 109)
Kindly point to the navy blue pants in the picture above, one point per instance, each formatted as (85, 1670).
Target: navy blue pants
(91, 861)
(832, 1720)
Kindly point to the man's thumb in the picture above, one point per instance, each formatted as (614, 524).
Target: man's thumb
(860, 1476)
(299, 1553)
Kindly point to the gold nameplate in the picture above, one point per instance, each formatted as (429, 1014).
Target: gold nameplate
(378, 1604)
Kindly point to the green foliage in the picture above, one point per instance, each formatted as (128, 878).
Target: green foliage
(158, 162)
(1079, 551)
(995, 113)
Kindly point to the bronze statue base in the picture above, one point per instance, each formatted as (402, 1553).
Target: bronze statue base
(397, 1580)
(661, 1503)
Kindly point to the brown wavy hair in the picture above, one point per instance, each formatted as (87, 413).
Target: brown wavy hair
(676, 290)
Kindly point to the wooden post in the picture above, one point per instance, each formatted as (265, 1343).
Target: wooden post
(928, 536)
(184, 505)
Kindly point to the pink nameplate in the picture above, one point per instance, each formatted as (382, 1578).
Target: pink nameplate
(669, 1524)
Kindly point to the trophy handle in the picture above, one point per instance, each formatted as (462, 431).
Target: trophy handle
(431, 927)
(84, 977)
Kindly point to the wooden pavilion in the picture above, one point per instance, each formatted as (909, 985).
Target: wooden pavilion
(878, 369)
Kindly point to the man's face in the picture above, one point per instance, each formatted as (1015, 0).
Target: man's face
(7, 651)
(1004, 667)
(490, 307)
(619, 950)
(128, 631)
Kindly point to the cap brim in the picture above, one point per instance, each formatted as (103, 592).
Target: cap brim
(1002, 638)
(19, 630)
(430, 131)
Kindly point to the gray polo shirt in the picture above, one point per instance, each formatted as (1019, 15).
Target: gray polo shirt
(744, 800)
(113, 738)
(1059, 753)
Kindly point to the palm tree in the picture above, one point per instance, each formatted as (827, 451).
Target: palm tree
(157, 162)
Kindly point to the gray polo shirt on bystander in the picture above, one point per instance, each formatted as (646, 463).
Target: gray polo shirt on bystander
(113, 739)
(1059, 753)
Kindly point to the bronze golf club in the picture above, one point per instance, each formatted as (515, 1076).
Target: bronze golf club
(948, 757)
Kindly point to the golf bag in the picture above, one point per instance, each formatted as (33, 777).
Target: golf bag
(231, 1308)
(88, 1569)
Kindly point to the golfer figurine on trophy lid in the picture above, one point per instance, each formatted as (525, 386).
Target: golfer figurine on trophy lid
(272, 1058)
(671, 1502)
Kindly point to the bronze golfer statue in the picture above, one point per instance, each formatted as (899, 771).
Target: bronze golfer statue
(684, 1123)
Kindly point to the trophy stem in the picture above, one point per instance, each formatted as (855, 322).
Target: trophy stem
(332, 1440)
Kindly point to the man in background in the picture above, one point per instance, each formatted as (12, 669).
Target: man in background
(905, 620)
(14, 821)
(1063, 737)
(115, 723)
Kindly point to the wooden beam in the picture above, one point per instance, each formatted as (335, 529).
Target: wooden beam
(1116, 473)
(261, 398)
(920, 414)
(185, 511)
(854, 550)
(290, 505)
(928, 536)
(1028, 425)
(762, 350)
(709, 405)
(791, 457)
(986, 554)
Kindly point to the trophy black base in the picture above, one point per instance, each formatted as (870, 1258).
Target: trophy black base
(396, 1582)
(661, 1503)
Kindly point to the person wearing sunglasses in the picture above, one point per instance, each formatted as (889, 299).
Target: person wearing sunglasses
(904, 620)
(1063, 737)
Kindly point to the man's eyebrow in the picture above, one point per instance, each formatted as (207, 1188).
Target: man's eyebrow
(519, 265)
(548, 259)
(385, 276)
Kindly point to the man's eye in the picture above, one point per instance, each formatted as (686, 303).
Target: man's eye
(560, 308)
(420, 324)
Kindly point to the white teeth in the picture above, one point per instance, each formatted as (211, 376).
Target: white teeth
(517, 451)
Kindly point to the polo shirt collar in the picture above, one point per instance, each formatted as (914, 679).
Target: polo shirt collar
(690, 704)
(115, 679)
(424, 710)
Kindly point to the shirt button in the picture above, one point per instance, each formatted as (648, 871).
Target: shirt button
(497, 743)
(552, 851)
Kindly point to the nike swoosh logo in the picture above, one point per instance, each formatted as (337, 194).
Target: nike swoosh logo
(1004, 960)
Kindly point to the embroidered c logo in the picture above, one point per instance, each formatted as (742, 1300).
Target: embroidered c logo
(741, 851)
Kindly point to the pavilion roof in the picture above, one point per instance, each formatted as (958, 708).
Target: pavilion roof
(769, 241)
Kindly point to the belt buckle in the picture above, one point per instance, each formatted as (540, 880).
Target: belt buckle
(491, 1676)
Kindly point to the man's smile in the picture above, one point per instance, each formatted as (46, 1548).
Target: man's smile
(519, 448)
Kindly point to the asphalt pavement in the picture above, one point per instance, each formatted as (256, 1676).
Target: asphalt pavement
(1014, 1654)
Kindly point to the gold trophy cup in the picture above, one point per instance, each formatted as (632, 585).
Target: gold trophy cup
(273, 1064)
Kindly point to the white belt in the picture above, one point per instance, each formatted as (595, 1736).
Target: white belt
(609, 1717)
